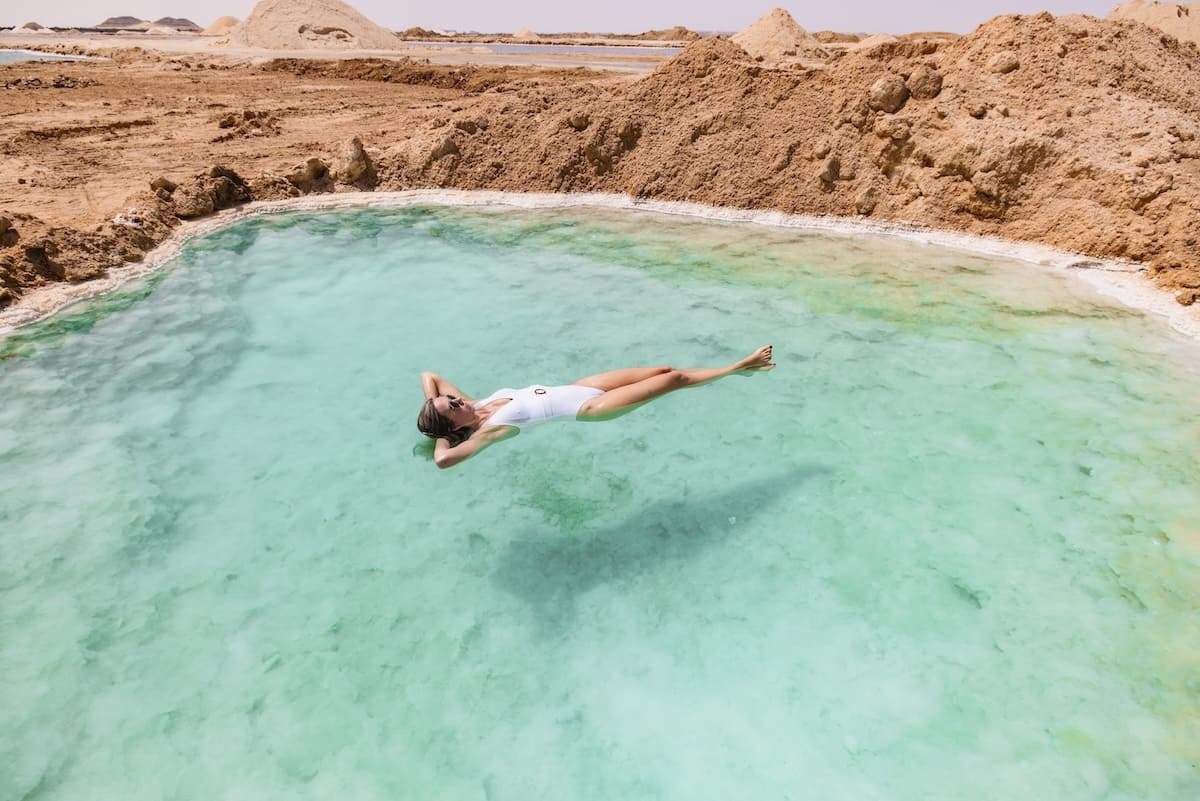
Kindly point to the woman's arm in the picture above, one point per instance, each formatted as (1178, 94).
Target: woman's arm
(433, 385)
(447, 455)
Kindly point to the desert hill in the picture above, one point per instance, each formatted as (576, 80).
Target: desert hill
(676, 34)
(221, 26)
(116, 23)
(1181, 20)
(308, 25)
(776, 36)
(177, 23)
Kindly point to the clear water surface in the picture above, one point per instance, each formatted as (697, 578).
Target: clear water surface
(14, 56)
(546, 48)
(949, 549)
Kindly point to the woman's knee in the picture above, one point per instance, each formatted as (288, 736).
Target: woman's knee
(676, 378)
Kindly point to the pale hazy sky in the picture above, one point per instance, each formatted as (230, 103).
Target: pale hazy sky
(616, 16)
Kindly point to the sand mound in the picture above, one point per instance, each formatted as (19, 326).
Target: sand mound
(1030, 128)
(33, 27)
(221, 26)
(675, 34)
(526, 35)
(1181, 20)
(181, 24)
(420, 33)
(162, 30)
(310, 25)
(834, 37)
(776, 37)
(115, 23)
(874, 41)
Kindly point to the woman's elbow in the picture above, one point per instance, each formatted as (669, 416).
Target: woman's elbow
(446, 460)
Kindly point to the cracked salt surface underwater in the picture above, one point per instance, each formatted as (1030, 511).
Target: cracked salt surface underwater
(949, 549)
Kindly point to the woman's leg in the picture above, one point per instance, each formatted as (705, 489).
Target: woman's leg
(620, 378)
(625, 398)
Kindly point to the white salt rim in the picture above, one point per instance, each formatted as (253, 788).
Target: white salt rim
(51, 56)
(1122, 280)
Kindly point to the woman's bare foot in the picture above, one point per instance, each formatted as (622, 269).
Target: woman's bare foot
(757, 362)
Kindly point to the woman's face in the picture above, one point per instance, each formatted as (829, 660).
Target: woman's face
(454, 409)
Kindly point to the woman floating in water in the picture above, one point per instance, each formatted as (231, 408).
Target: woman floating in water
(463, 426)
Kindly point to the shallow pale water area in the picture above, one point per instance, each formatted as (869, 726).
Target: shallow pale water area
(949, 549)
(14, 56)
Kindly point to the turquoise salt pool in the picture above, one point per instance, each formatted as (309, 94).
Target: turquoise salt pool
(949, 549)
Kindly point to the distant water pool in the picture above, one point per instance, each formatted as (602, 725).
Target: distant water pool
(949, 549)
(14, 56)
(546, 48)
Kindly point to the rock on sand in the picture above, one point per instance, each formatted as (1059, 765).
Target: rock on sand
(310, 25)
(1181, 20)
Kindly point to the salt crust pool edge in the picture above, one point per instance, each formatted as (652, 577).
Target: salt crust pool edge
(1117, 279)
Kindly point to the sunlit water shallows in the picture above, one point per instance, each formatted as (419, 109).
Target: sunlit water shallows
(14, 56)
(950, 549)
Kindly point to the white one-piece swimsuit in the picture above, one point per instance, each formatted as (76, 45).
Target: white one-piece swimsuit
(536, 404)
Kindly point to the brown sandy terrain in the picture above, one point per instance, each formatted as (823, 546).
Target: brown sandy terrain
(1181, 20)
(1075, 132)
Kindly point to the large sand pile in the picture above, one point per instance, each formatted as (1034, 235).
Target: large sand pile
(776, 37)
(1031, 128)
(221, 26)
(1181, 20)
(310, 25)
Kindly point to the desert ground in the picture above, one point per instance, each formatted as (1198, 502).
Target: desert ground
(1074, 132)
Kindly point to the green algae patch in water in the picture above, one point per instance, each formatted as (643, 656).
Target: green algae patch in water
(949, 549)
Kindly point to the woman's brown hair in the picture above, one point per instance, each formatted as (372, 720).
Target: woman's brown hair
(436, 425)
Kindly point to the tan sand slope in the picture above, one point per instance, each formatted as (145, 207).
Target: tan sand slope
(776, 36)
(221, 26)
(310, 25)
(1181, 20)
